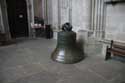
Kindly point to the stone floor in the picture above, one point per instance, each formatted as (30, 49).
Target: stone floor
(28, 61)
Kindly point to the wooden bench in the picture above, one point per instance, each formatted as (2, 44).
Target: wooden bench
(116, 48)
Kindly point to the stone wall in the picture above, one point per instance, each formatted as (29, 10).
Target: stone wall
(115, 22)
(76, 12)
(79, 9)
(81, 14)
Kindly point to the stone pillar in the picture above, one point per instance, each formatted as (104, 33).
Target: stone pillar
(97, 18)
(1, 21)
(81, 14)
(5, 18)
(62, 13)
(30, 12)
(64, 9)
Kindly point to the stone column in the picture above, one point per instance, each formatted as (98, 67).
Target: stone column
(97, 17)
(64, 11)
(1, 21)
(5, 18)
(30, 12)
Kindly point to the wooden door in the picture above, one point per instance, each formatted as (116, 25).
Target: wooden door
(17, 16)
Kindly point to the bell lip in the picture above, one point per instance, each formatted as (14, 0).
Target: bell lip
(67, 62)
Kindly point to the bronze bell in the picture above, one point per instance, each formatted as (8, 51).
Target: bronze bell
(66, 50)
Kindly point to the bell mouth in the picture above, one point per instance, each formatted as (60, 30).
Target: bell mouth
(67, 61)
(67, 56)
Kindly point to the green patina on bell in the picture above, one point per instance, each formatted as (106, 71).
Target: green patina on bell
(66, 50)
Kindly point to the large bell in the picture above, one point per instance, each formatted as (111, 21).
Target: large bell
(66, 50)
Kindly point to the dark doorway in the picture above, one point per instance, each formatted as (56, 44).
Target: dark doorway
(17, 16)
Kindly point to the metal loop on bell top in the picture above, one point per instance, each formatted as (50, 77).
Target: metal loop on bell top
(67, 27)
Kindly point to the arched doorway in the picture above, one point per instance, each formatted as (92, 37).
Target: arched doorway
(17, 17)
